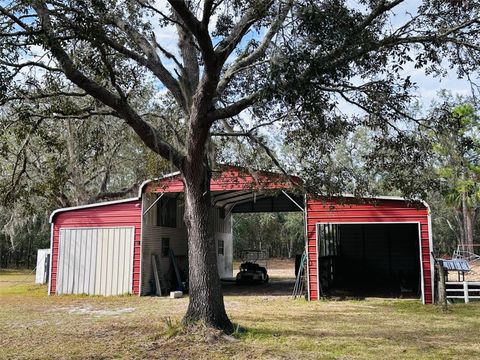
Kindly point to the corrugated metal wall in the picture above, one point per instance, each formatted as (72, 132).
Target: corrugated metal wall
(127, 214)
(152, 244)
(152, 241)
(95, 261)
(221, 225)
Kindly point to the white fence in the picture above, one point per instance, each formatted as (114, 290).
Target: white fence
(466, 290)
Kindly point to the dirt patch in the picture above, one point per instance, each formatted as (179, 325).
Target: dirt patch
(89, 310)
(282, 280)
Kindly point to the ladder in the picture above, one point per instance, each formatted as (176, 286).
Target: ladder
(298, 289)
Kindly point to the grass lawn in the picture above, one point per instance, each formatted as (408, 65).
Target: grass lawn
(34, 325)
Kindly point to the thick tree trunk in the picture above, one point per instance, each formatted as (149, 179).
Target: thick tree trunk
(206, 298)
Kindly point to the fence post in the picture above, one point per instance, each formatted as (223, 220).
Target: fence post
(465, 292)
(442, 292)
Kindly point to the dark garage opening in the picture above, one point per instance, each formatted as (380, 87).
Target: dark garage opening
(369, 259)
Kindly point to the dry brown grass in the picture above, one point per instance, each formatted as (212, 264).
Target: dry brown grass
(35, 326)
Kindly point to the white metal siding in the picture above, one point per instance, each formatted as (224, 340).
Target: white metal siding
(152, 240)
(152, 244)
(95, 261)
(221, 225)
(223, 231)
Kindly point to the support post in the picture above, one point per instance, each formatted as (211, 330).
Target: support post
(465, 292)
(442, 291)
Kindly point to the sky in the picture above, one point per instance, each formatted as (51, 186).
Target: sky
(428, 87)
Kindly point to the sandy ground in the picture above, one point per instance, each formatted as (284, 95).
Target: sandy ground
(277, 268)
(282, 280)
(474, 275)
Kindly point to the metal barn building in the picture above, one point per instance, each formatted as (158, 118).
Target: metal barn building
(107, 248)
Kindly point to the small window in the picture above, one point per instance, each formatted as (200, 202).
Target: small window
(167, 212)
(221, 247)
(165, 247)
(221, 213)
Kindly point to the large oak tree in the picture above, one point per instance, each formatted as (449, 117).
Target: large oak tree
(238, 66)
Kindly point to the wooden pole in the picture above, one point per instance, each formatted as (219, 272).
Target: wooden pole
(442, 293)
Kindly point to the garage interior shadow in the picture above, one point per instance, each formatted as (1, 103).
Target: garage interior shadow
(369, 260)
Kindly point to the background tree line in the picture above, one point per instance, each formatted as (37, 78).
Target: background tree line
(55, 163)
(280, 234)
(77, 161)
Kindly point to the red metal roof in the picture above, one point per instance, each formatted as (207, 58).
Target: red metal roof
(228, 178)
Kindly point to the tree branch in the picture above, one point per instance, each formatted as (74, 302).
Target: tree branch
(235, 108)
(228, 44)
(15, 19)
(30, 64)
(379, 10)
(152, 62)
(145, 4)
(242, 63)
(42, 96)
(200, 31)
(207, 11)
(149, 135)
(190, 74)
